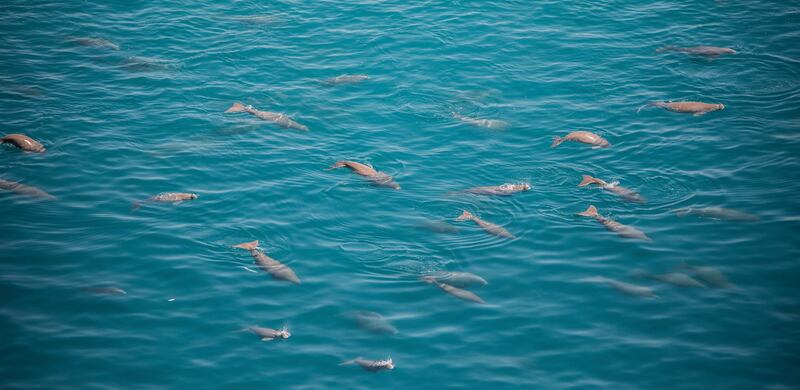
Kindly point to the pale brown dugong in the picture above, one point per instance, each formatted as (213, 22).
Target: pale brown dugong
(167, 197)
(616, 227)
(346, 79)
(273, 267)
(614, 187)
(487, 226)
(501, 190)
(706, 51)
(453, 290)
(377, 178)
(22, 189)
(371, 365)
(274, 117)
(584, 137)
(694, 108)
(23, 142)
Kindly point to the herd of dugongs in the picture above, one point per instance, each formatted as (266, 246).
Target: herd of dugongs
(453, 283)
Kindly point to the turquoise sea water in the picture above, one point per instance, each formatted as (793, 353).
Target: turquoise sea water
(123, 125)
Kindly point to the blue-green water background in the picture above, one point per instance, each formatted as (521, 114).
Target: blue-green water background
(123, 125)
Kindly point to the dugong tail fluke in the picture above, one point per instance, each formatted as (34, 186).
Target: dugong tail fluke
(557, 141)
(236, 107)
(590, 180)
(252, 245)
(590, 212)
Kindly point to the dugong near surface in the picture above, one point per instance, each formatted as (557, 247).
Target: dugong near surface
(706, 51)
(632, 289)
(274, 117)
(501, 190)
(167, 197)
(454, 291)
(694, 108)
(371, 365)
(712, 276)
(372, 322)
(106, 290)
(378, 178)
(487, 226)
(495, 124)
(346, 79)
(23, 142)
(673, 278)
(460, 279)
(273, 267)
(269, 334)
(613, 187)
(616, 227)
(718, 213)
(98, 43)
(22, 189)
(438, 227)
(584, 137)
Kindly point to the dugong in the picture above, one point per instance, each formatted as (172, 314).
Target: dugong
(274, 117)
(22, 189)
(371, 365)
(584, 137)
(706, 51)
(377, 178)
(23, 142)
(616, 227)
(718, 213)
(501, 190)
(460, 279)
(710, 275)
(98, 42)
(273, 267)
(629, 195)
(167, 197)
(488, 227)
(632, 289)
(495, 124)
(346, 79)
(454, 291)
(373, 322)
(694, 108)
(673, 278)
(269, 334)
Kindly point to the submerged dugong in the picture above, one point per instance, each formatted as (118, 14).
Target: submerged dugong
(22, 189)
(269, 334)
(632, 289)
(718, 213)
(710, 275)
(438, 227)
(167, 197)
(460, 279)
(487, 123)
(371, 365)
(488, 227)
(377, 178)
(373, 322)
(695, 108)
(673, 278)
(707, 51)
(584, 137)
(98, 42)
(613, 187)
(454, 291)
(616, 227)
(501, 190)
(346, 79)
(273, 267)
(274, 117)
(23, 142)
